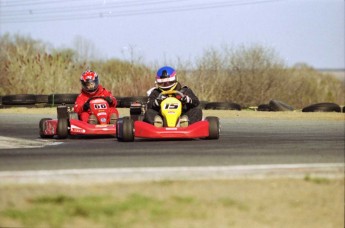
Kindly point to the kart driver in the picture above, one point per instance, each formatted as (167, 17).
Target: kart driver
(166, 80)
(91, 88)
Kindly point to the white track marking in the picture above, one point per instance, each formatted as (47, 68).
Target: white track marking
(12, 143)
(334, 170)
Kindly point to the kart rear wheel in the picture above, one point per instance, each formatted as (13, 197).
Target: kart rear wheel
(62, 128)
(125, 130)
(41, 129)
(213, 127)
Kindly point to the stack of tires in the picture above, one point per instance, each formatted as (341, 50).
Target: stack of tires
(32, 100)
(275, 106)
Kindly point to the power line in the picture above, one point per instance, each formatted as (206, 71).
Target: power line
(107, 12)
(78, 8)
(32, 2)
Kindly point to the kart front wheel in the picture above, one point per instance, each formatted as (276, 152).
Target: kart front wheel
(213, 127)
(62, 128)
(125, 129)
(42, 128)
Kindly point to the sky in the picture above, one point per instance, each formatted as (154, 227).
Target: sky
(157, 31)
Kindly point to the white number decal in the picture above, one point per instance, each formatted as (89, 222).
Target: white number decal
(171, 106)
(100, 106)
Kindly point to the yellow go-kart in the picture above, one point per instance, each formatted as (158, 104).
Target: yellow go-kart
(171, 108)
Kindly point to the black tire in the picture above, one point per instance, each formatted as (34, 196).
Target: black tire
(62, 112)
(19, 99)
(322, 107)
(202, 104)
(62, 128)
(125, 102)
(279, 106)
(223, 106)
(41, 129)
(42, 99)
(54, 99)
(213, 128)
(125, 130)
(343, 109)
(264, 108)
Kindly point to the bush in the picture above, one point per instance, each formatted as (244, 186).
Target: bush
(248, 76)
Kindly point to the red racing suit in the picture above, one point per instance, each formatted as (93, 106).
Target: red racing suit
(84, 97)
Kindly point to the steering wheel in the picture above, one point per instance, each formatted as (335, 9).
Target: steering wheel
(93, 98)
(172, 92)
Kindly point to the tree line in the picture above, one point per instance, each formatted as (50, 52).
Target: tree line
(245, 75)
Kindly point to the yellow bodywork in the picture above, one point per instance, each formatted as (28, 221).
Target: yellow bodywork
(171, 109)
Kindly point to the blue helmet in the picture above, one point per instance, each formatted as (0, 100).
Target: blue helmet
(166, 78)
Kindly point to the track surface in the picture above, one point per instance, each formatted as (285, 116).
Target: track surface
(243, 141)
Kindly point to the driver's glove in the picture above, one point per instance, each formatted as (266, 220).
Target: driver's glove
(86, 106)
(158, 101)
(186, 99)
(109, 100)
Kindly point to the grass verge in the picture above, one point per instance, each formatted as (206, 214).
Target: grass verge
(305, 202)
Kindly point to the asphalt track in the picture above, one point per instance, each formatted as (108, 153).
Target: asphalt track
(243, 141)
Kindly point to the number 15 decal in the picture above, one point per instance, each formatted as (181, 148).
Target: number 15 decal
(171, 106)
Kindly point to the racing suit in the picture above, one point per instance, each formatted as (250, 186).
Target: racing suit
(83, 98)
(192, 110)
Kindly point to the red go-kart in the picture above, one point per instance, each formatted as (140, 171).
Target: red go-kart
(170, 108)
(68, 123)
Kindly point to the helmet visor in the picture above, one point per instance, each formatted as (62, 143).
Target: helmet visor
(90, 85)
(165, 84)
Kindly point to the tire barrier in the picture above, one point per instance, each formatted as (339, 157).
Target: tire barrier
(42, 100)
(19, 99)
(223, 106)
(264, 108)
(279, 106)
(202, 104)
(54, 99)
(125, 102)
(323, 107)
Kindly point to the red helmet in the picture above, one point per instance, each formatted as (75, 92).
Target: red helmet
(89, 81)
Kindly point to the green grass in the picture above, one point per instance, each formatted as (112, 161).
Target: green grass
(316, 180)
(99, 208)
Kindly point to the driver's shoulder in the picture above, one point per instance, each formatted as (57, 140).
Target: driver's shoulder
(184, 89)
(155, 92)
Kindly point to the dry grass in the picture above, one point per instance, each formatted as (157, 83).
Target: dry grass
(308, 202)
(245, 75)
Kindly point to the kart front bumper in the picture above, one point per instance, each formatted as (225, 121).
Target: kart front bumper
(197, 130)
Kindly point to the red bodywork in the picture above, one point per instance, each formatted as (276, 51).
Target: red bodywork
(78, 127)
(100, 108)
(197, 130)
